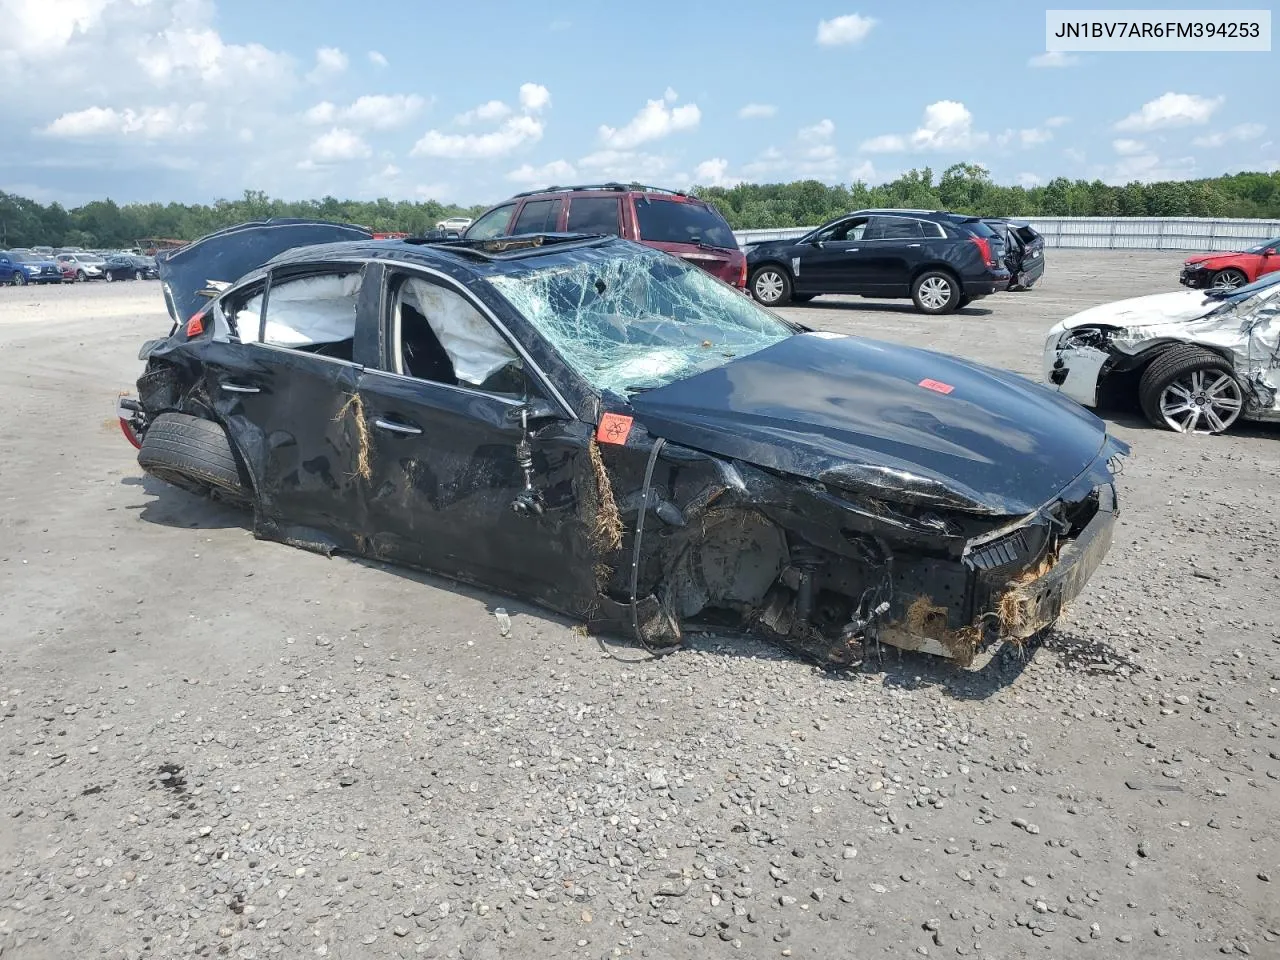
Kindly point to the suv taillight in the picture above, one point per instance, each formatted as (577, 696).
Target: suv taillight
(984, 249)
(742, 275)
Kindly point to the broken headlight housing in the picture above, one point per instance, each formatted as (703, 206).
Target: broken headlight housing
(1096, 337)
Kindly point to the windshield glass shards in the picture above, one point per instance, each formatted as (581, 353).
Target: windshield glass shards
(633, 319)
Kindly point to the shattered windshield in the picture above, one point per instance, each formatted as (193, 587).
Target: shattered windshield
(629, 319)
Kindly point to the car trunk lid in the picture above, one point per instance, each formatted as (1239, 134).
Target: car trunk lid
(221, 258)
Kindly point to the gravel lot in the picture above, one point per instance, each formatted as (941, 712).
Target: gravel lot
(217, 746)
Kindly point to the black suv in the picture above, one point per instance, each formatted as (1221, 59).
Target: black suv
(940, 260)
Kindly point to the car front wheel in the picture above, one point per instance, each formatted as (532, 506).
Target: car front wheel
(1191, 390)
(19, 279)
(935, 292)
(771, 286)
(1228, 280)
(81, 276)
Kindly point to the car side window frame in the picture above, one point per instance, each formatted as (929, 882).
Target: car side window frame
(292, 272)
(535, 377)
(511, 211)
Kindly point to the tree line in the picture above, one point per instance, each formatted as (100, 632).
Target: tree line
(963, 187)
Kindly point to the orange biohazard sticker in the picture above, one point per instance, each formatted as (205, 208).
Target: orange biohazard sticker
(936, 385)
(614, 428)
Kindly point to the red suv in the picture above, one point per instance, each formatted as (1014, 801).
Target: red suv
(666, 220)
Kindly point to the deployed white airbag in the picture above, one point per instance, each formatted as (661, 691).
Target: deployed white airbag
(475, 348)
(304, 312)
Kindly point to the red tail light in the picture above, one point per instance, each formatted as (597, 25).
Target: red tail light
(984, 248)
(195, 326)
(742, 275)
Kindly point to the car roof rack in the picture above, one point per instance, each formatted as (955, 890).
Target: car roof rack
(612, 186)
(503, 248)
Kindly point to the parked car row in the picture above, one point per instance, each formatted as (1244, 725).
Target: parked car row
(21, 267)
(941, 260)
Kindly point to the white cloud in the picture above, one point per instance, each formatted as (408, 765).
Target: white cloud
(534, 97)
(490, 110)
(330, 61)
(514, 132)
(864, 172)
(823, 151)
(1240, 132)
(757, 111)
(656, 119)
(885, 143)
(822, 130)
(1128, 148)
(1053, 58)
(1027, 137)
(378, 111)
(947, 125)
(148, 123)
(322, 112)
(1028, 180)
(1055, 122)
(336, 146)
(625, 165)
(383, 111)
(842, 30)
(714, 173)
(1147, 168)
(557, 171)
(1171, 110)
(377, 59)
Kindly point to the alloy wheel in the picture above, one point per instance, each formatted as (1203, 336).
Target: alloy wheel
(935, 293)
(1228, 280)
(1201, 401)
(769, 286)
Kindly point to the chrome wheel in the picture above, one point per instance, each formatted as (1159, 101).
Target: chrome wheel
(769, 286)
(1228, 280)
(19, 279)
(1201, 401)
(935, 293)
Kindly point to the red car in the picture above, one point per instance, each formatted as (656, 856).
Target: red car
(667, 220)
(1226, 271)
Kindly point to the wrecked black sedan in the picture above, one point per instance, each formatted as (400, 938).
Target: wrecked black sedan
(612, 433)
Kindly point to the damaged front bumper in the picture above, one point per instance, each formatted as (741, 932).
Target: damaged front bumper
(1196, 277)
(1073, 366)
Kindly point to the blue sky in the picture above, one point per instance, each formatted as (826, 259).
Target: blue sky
(191, 100)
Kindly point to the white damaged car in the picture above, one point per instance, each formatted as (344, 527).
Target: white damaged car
(1195, 360)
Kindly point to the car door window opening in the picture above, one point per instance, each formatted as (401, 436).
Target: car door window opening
(315, 313)
(441, 336)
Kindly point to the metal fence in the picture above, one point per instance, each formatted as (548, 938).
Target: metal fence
(1113, 233)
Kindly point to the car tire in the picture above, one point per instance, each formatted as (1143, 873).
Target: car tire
(81, 277)
(770, 285)
(935, 292)
(137, 274)
(195, 455)
(19, 279)
(1190, 390)
(1228, 279)
(963, 302)
(110, 276)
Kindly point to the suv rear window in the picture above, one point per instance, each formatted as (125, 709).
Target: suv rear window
(676, 221)
(593, 215)
(538, 216)
(978, 229)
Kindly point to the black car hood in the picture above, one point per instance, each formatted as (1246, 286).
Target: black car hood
(887, 421)
(226, 256)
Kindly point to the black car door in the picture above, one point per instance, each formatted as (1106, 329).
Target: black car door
(892, 248)
(447, 414)
(285, 386)
(829, 262)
